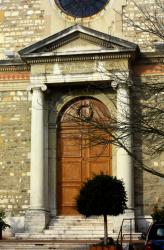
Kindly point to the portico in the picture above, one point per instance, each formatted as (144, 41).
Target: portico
(62, 66)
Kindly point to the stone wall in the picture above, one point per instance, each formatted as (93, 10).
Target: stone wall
(15, 118)
(21, 23)
(24, 22)
(149, 188)
(142, 13)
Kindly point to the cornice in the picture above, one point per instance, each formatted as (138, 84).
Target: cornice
(86, 37)
(150, 57)
(59, 57)
(71, 33)
(13, 65)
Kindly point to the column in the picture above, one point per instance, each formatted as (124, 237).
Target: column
(124, 160)
(37, 150)
(36, 216)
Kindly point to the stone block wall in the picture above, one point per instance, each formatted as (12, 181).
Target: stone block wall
(135, 13)
(21, 23)
(149, 188)
(24, 22)
(15, 132)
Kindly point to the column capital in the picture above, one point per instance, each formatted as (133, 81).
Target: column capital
(121, 84)
(41, 87)
(121, 81)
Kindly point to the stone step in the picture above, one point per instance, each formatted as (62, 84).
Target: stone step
(76, 227)
(58, 222)
(84, 225)
(40, 245)
(79, 218)
(79, 227)
(51, 235)
(50, 245)
(61, 236)
(74, 231)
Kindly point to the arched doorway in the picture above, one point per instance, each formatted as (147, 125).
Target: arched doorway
(81, 153)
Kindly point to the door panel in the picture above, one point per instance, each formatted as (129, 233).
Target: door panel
(67, 205)
(71, 170)
(100, 166)
(78, 159)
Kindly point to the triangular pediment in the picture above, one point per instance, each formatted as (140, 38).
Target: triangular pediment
(76, 40)
(79, 44)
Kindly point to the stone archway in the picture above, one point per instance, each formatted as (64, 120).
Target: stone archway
(78, 155)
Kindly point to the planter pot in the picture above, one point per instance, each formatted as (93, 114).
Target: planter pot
(112, 247)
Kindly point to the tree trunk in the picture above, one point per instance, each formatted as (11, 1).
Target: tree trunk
(105, 230)
(0, 233)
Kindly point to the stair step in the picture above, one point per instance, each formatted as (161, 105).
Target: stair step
(76, 227)
(74, 231)
(18, 245)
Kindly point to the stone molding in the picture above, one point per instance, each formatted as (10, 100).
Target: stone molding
(85, 37)
(53, 57)
(42, 87)
(121, 83)
(151, 57)
(13, 65)
(112, 47)
(73, 32)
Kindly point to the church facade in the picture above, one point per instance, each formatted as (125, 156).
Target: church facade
(58, 58)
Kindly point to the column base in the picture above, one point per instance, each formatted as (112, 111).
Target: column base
(36, 220)
(129, 220)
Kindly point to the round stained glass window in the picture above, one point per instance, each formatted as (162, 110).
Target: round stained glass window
(81, 8)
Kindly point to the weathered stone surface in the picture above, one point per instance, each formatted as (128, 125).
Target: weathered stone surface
(21, 23)
(14, 151)
(36, 221)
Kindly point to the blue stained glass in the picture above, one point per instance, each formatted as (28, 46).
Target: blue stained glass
(81, 8)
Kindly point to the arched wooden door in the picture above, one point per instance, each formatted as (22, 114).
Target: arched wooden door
(80, 150)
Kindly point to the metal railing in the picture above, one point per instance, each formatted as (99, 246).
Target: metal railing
(132, 226)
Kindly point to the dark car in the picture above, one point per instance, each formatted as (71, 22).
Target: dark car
(155, 237)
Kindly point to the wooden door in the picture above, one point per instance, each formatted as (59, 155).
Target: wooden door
(78, 157)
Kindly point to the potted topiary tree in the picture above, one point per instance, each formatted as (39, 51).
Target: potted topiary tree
(102, 195)
(3, 224)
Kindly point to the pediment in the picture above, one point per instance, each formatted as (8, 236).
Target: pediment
(76, 40)
(79, 44)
